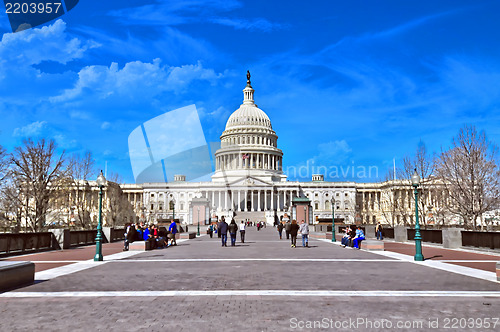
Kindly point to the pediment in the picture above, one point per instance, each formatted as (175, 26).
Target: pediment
(250, 181)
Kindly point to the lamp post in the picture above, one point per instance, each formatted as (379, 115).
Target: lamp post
(333, 219)
(198, 233)
(415, 181)
(101, 182)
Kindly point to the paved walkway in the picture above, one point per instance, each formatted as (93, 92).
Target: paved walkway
(261, 285)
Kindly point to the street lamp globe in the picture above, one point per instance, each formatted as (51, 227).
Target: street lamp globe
(101, 180)
(415, 179)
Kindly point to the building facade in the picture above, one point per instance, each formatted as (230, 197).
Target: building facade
(249, 184)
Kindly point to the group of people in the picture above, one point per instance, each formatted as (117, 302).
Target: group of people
(223, 228)
(158, 237)
(291, 230)
(352, 237)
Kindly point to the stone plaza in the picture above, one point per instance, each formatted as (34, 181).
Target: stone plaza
(259, 285)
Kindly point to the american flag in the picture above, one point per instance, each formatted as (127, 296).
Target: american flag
(246, 156)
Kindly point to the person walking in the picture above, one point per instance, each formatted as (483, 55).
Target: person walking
(129, 236)
(287, 229)
(242, 231)
(294, 228)
(304, 230)
(378, 230)
(222, 231)
(173, 231)
(280, 229)
(233, 229)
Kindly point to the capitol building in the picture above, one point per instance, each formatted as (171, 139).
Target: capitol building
(249, 184)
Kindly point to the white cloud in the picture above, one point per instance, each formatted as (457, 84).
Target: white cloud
(333, 152)
(135, 80)
(105, 125)
(31, 130)
(49, 43)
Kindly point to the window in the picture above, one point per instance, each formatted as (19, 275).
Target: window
(337, 194)
(316, 206)
(152, 195)
(152, 206)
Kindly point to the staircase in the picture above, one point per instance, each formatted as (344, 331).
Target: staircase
(250, 215)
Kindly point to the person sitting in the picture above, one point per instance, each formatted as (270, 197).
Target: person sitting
(360, 236)
(345, 238)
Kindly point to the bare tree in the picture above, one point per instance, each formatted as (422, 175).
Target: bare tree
(39, 175)
(118, 209)
(4, 164)
(423, 162)
(470, 173)
(80, 170)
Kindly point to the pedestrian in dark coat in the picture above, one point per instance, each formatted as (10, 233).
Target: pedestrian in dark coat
(294, 228)
(222, 230)
(280, 229)
(233, 229)
(287, 229)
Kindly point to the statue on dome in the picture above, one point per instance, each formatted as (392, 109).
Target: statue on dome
(248, 77)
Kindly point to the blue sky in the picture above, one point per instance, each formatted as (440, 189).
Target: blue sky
(344, 82)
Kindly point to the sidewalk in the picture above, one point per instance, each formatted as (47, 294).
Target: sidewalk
(259, 285)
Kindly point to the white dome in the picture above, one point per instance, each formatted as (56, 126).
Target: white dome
(248, 115)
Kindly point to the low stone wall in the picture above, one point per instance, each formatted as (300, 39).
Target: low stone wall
(16, 274)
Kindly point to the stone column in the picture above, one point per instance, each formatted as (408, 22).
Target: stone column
(265, 200)
(232, 200)
(246, 200)
(225, 200)
(452, 237)
(239, 200)
(400, 234)
(252, 206)
(278, 206)
(258, 199)
(272, 199)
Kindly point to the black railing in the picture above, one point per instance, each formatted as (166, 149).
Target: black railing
(434, 236)
(20, 243)
(481, 239)
(388, 233)
(81, 238)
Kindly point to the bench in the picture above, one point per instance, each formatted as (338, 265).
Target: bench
(140, 246)
(319, 235)
(372, 245)
(16, 274)
(186, 235)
